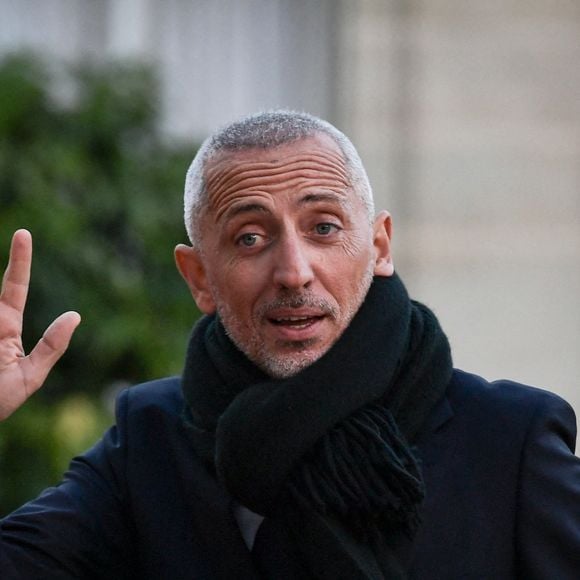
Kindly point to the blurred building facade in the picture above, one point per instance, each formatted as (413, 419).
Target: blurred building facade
(466, 114)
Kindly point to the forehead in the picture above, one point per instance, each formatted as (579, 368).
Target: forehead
(311, 161)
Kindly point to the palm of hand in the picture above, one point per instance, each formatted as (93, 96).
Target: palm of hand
(21, 375)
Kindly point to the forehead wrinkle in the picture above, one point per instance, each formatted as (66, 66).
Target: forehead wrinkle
(226, 183)
(227, 169)
(232, 199)
(254, 180)
(222, 200)
(266, 173)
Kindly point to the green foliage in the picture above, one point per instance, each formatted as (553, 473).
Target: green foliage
(101, 193)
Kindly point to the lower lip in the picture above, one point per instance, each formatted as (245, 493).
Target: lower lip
(288, 332)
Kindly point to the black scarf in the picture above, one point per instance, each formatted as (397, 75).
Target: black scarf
(324, 455)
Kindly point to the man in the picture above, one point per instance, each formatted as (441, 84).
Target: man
(319, 429)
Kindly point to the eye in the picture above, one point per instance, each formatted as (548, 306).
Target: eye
(324, 229)
(248, 240)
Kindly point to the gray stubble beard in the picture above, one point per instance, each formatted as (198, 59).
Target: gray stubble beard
(282, 367)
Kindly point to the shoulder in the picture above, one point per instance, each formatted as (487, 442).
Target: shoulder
(467, 389)
(156, 400)
(149, 429)
(507, 405)
(498, 466)
(164, 393)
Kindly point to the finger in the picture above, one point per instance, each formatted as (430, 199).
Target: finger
(49, 349)
(17, 276)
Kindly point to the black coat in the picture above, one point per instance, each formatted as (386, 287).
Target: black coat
(503, 496)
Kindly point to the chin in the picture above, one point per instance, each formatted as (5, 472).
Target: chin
(288, 365)
(285, 368)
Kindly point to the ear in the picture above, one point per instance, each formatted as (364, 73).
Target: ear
(382, 229)
(192, 269)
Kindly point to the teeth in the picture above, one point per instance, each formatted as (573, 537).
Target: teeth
(293, 319)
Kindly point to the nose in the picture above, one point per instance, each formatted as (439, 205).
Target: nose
(292, 268)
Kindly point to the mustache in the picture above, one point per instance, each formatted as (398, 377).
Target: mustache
(298, 300)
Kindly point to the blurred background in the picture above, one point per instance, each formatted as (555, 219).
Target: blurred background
(466, 114)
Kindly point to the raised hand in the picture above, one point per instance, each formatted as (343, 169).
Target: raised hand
(22, 375)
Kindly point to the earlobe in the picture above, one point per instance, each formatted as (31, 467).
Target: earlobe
(192, 269)
(382, 244)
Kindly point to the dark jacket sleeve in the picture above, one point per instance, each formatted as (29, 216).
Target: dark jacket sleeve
(548, 522)
(79, 528)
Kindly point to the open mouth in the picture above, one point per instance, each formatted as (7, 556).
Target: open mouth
(297, 322)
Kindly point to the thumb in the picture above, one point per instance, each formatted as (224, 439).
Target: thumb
(50, 348)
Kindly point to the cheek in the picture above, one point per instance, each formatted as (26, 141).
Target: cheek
(240, 285)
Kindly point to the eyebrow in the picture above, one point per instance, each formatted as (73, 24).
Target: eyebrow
(242, 208)
(318, 197)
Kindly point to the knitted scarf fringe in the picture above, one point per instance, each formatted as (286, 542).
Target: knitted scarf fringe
(362, 471)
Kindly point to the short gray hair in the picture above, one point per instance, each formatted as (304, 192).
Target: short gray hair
(266, 130)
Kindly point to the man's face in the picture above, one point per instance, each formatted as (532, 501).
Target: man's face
(288, 252)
